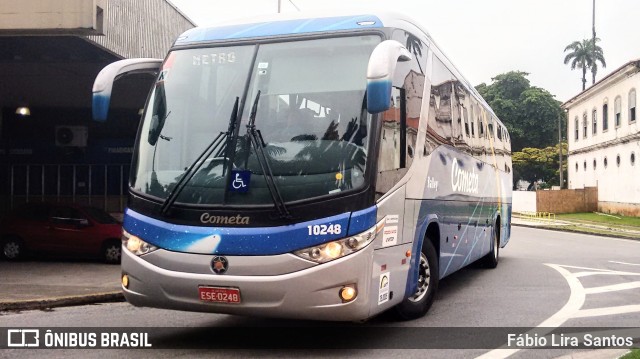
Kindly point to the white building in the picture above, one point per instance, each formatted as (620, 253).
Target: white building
(604, 140)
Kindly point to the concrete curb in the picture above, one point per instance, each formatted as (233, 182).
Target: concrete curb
(66, 301)
(561, 229)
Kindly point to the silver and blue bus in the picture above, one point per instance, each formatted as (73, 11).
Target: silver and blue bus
(313, 166)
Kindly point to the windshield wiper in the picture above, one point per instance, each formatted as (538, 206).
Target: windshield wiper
(258, 145)
(197, 164)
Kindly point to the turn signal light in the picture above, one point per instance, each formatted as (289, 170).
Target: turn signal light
(125, 281)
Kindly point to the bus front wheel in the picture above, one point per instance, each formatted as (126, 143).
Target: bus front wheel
(419, 303)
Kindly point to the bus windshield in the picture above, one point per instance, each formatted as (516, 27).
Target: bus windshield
(311, 119)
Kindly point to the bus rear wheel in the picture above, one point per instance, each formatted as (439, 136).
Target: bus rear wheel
(491, 259)
(418, 304)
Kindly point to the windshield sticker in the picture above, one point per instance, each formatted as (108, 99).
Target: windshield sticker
(163, 75)
(392, 218)
(383, 288)
(166, 66)
(390, 236)
(214, 59)
(240, 180)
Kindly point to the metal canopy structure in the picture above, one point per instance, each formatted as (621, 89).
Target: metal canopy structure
(50, 54)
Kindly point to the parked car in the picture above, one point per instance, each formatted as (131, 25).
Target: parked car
(67, 230)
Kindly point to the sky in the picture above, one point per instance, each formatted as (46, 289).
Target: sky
(485, 38)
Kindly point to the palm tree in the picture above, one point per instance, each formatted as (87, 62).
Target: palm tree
(597, 55)
(582, 57)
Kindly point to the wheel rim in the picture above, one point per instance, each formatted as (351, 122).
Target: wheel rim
(11, 250)
(112, 253)
(424, 278)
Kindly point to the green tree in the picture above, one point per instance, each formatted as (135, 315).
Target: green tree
(583, 56)
(532, 164)
(530, 113)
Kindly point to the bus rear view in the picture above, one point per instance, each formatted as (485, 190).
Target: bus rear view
(256, 184)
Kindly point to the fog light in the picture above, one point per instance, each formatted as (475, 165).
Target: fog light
(125, 281)
(347, 294)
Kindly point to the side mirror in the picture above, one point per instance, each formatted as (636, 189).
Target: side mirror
(103, 83)
(382, 66)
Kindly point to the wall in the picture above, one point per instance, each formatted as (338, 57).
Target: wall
(625, 209)
(568, 200)
(617, 182)
(60, 16)
(141, 28)
(524, 201)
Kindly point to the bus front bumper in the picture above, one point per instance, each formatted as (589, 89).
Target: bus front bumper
(310, 293)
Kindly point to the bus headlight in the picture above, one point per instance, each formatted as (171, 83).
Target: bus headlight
(333, 250)
(136, 245)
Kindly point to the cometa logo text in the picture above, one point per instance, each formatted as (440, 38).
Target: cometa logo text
(207, 218)
(463, 181)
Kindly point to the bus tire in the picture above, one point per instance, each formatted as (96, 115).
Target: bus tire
(418, 304)
(491, 259)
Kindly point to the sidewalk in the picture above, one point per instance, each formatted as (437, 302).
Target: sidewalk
(52, 283)
(576, 227)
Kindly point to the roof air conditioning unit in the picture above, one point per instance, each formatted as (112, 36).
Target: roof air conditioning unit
(72, 136)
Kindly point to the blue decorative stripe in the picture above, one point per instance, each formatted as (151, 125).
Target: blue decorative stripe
(362, 220)
(276, 28)
(240, 240)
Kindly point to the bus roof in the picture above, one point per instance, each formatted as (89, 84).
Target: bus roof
(291, 24)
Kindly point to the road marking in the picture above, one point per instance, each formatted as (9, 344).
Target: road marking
(598, 312)
(625, 263)
(576, 300)
(612, 288)
(586, 274)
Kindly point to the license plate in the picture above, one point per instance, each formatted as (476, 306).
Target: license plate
(219, 294)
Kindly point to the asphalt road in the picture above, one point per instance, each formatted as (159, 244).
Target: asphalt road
(545, 279)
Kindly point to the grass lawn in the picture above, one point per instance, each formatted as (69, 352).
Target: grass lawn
(634, 354)
(604, 219)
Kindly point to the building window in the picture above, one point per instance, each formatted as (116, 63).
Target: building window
(594, 117)
(617, 108)
(584, 125)
(632, 106)
(605, 116)
(633, 158)
(594, 164)
(585, 165)
(577, 127)
(576, 166)
(618, 160)
(606, 163)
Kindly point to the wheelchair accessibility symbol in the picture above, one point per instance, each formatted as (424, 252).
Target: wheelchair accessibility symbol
(240, 180)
